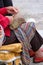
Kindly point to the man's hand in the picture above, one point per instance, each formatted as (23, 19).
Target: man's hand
(12, 10)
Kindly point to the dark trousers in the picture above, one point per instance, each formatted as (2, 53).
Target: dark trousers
(11, 39)
(36, 42)
(5, 3)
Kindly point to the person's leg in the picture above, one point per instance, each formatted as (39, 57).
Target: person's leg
(12, 39)
(37, 47)
(1, 4)
(7, 3)
(36, 42)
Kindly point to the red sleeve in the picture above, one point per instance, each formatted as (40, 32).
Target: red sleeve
(3, 11)
(4, 21)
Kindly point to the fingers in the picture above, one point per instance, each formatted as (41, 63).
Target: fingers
(15, 10)
(12, 10)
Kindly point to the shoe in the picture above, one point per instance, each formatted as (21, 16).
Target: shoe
(31, 53)
(37, 59)
(38, 56)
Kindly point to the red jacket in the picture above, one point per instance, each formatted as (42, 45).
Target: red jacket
(4, 21)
